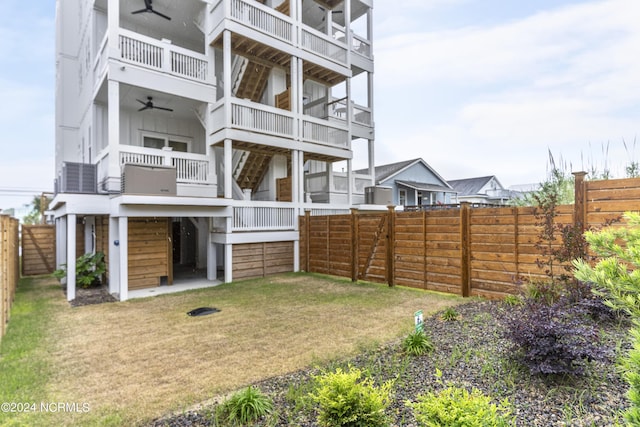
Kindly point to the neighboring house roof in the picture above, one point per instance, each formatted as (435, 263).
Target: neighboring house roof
(423, 186)
(471, 186)
(385, 172)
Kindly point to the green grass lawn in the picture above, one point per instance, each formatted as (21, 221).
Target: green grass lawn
(127, 363)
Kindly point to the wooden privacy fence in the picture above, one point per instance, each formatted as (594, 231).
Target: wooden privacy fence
(9, 267)
(466, 251)
(38, 249)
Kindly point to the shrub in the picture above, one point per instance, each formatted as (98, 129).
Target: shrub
(555, 338)
(417, 343)
(617, 277)
(246, 406)
(345, 399)
(89, 270)
(455, 406)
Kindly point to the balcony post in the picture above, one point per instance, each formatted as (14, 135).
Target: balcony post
(226, 53)
(228, 164)
(166, 56)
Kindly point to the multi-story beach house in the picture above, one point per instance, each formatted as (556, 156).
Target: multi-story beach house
(191, 134)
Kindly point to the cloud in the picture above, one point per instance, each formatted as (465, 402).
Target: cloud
(491, 99)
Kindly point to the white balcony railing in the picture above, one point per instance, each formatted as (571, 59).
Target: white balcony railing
(324, 132)
(323, 45)
(163, 56)
(361, 46)
(190, 168)
(256, 16)
(319, 183)
(263, 218)
(261, 118)
(337, 109)
(271, 22)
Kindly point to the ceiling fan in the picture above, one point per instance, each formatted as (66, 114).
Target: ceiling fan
(332, 11)
(149, 8)
(149, 105)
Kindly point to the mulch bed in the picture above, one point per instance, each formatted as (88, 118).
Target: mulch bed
(89, 296)
(471, 352)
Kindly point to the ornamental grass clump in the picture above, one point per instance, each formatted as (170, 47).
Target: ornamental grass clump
(246, 406)
(417, 343)
(346, 399)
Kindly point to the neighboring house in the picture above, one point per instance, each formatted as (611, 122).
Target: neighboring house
(482, 190)
(413, 183)
(191, 134)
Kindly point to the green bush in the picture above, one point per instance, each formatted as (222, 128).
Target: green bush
(347, 399)
(246, 406)
(89, 270)
(417, 343)
(456, 407)
(617, 279)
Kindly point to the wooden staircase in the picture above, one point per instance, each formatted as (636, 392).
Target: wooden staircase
(284, 7)
(254, 81)
(254, 170)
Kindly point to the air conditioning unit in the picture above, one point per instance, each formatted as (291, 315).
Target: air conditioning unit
(378, 195)
(78, 178)
(148, 180)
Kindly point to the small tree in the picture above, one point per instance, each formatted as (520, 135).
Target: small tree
(617, 275)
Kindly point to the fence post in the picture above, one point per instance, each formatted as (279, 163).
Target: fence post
(391, 216)
(355, 239)
(465, 250)
(579, 207)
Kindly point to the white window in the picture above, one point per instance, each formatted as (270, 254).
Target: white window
(159, 141)
(402, 197)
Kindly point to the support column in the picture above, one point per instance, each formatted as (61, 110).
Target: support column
(71, 257)
(113, 120)
(372, 159)
(114, 256)
(350, 183)
(228, 263)
(123, 226)
(89, 234)
(228, 169)
(301, 174)
(295, 177)
(212, 264)
(226, 72)
(61, 239)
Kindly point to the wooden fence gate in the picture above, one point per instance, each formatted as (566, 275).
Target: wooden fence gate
(38, 249)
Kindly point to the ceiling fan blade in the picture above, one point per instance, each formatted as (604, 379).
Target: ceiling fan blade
(163, 108)
(143, 108)
(138, 11)
(161, 14)
(141, 102)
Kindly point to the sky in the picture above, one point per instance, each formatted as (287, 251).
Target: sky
(474, 87)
